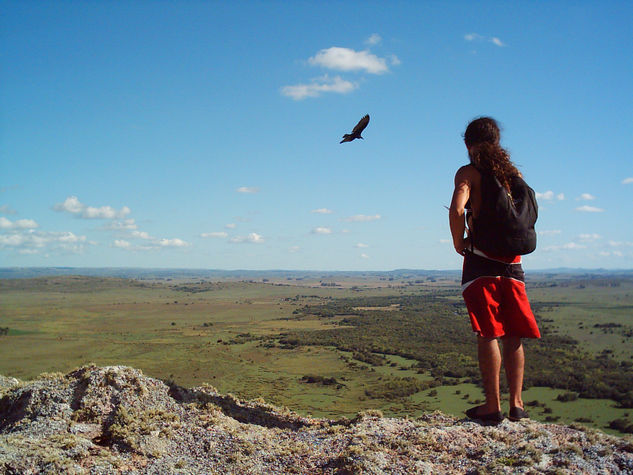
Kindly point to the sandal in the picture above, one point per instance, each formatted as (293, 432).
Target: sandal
(517, 413)
(491, 417)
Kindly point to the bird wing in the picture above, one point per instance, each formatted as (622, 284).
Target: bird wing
(361, 125)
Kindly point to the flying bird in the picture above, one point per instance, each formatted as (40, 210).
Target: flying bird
(357, 130)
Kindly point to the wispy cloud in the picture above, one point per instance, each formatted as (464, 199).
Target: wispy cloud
(627, 181)
(364, 256)
(216, 234)
(589, 209)
(589, 237)
(19, 224)
(247, 189)
(175, 242)
(294, 249)
(141, 235)
(475, 37)
(122, 243)
(5, 209)
(611, 253)
(567, 246)
(230, 226)
(361, 245)
(549, 232)
(128, 246)
(362, 218)
(319, 86)
(620, 244)
(373, 39)
(322, 230)
(322, 211)
(36, 242)
(73, 206)
(496, 41)
(586, 197)
(251, 238)
(125, 225)
(129, 231)
(549, 195)
(346, 59)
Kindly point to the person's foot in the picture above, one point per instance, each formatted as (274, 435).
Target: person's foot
(477, 413)
(517, 413)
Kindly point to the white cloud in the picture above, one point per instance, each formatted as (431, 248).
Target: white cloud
(125, 225)
(230, 226)
(473, 37)
(122, 243)
(362, 218)
(567, 246)
(251, 238)
(445, 241)
(373, 39)
(4, 209)
(33, 242)
(589, 209)
(548, 195)
(128, 246)
(73, 206)
(317, 87)
(393, 59)
(217, 234)
(586, 197)
(361, 245)
(19, 224)
(150, 242)
(294, 249)
(620, 244)
(364, 256)
(549, 232)
(322, 211)
(247, 189)
(141, 235)
(589, 237)
(479, 38)
(560, 196)
(627, 181)
(322, 230)
(611, 253)
(175, 242)
(346, 59)
(573, 245)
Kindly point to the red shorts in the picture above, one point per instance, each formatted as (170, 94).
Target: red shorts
(497, 302)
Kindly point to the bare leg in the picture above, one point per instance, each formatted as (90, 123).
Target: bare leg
(489, 365)
(514, 361)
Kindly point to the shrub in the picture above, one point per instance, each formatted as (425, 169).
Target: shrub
(566, 397)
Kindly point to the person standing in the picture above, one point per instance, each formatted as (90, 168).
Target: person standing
(493, 285)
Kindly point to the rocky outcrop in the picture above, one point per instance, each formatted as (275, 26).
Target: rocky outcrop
(116, 420)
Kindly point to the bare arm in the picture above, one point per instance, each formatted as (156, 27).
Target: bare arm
(456, 213)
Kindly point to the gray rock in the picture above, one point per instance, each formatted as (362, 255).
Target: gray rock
(113, 419)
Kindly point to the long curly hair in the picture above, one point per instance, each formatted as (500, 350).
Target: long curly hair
(482, 139)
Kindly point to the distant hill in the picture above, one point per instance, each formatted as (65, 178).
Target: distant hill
(149, 273)
(219, 274)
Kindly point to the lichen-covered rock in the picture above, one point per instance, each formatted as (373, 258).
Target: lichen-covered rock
(116, 420)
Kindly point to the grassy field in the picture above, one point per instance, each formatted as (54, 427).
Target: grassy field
(228, 334)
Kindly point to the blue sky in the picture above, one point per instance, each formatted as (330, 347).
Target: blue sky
(206, 134)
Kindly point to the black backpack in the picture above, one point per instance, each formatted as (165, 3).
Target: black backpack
(505, 225)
